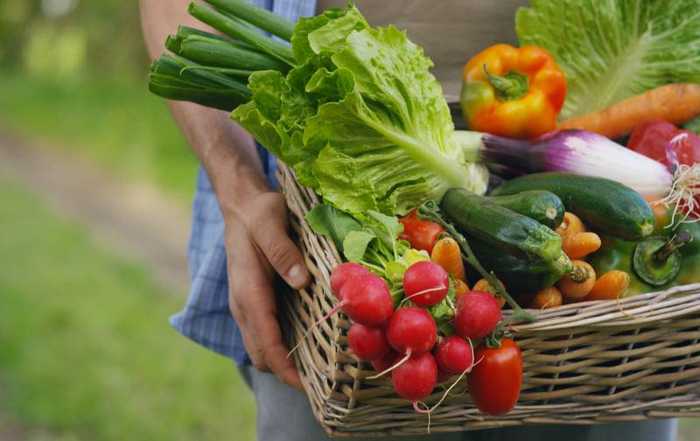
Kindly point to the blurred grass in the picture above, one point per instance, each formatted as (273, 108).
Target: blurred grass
(85, 349)
(112, 120)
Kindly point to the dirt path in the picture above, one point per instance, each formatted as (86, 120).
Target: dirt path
(135, 220)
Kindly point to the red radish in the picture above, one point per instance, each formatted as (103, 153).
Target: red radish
(426, 283)
(388, 360)
(412, 330)
(454, 355)
(366, 299)
(477, 315)
(416, 378)
(344, 272)
(367, 343)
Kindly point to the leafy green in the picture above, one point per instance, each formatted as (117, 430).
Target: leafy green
(355, 245)
(611, 50)
(332, 223)
(444, 312)
(360, 118)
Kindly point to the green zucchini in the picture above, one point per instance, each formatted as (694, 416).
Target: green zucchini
(604, 205)
(520, 273)
(543, 206)
(525, 254)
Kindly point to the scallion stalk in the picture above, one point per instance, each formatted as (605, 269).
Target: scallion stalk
(218, 53)
(262, 18)
(176, 78)
(186, 31)
(238, 29)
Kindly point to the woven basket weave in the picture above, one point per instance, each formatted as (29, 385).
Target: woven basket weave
(585, 363)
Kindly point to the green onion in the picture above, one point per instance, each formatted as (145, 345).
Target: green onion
(256, 16)
(218, 53)
(186, 31)
(238, 29)
(176, 78)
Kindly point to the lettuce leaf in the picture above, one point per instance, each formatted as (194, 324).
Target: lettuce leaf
(611, 50)
(360, 119)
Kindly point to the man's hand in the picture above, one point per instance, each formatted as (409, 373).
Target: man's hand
(258, 247)
(257, 242)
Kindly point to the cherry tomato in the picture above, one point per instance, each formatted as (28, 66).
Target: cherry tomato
(652, 139)
(495, 381)
(421, 234)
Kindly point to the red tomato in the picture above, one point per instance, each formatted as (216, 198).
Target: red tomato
(421, 234)
(652, 139)
(495, 381)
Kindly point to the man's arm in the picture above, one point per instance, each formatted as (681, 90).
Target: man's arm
(257, 242)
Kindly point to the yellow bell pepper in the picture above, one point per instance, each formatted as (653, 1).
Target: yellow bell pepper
(513, 92)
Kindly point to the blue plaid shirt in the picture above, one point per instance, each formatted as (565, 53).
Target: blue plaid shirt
(206, 318)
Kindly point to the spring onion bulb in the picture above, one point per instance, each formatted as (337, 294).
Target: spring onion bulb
(573, 151)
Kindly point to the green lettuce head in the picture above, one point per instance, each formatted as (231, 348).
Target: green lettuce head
(360, 119)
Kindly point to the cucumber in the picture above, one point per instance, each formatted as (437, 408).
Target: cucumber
(543, 206)
(520, 250)
(520, 273)
(604, 205)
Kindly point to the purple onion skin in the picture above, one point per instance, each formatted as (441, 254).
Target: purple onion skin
(550, 152)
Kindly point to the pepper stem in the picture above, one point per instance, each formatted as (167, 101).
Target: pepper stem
(510, 86)
(674, 243)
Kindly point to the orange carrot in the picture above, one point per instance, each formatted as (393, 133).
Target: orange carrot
(675, 103)
(579, 282)
(571, 224)
(610, 286)
(461, 288)
(447, 254)
(662, 214)
(580, 245)
(547, 298)
(483, 285)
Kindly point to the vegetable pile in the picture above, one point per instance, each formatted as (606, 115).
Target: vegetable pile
(430, 260)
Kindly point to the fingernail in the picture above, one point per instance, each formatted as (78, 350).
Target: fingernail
(297, 276)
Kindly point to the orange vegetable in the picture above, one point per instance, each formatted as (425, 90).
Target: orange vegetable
(447, 254)
(547, 298)
(461, 288)
(571, 224)
(513, 92)
(662, 215)
(483, 285)
(675, 103)
(579, 282)
(580, 245)
(610, 286)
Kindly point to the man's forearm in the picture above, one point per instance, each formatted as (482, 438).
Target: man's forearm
(226, 150)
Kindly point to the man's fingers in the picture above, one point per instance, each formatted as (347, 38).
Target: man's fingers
(268, 331)
(252, 298)
(269, 232)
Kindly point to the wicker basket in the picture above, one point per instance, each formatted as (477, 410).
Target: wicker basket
(585, 363)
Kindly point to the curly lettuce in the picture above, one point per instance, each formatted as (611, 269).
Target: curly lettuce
(360, 119)
(613, 49)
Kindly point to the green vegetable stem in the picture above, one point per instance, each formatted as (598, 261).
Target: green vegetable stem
(429, 210)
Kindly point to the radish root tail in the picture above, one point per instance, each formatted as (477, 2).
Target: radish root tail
(391, 368)
(426, 411)
(681, 196)
(314, 326)
(420, 293)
